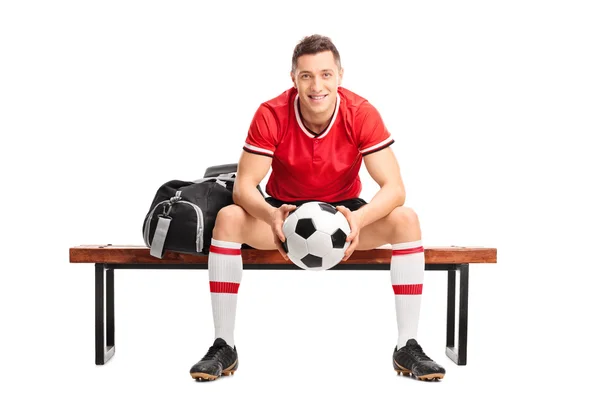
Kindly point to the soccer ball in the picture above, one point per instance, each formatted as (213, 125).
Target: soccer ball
(315, 236)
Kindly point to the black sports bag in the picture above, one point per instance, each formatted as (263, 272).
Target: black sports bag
(182, 215)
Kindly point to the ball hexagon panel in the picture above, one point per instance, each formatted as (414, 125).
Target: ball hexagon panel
(289, 225)
(333, 257)
(319, 244)
(343, 222)
(329, 223)
(308, 210)
(298, 244)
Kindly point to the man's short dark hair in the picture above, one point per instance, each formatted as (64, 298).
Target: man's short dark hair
(312, 45)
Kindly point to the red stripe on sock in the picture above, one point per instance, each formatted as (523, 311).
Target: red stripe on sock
(403, 252)
(224, 287)
(225, 250)
(408, 289)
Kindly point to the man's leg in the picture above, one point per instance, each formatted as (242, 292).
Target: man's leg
(402, 230)
(233, 227)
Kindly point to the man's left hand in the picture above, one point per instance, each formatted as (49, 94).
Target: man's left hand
(355, 221)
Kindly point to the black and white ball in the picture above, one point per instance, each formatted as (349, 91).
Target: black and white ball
(315, 236)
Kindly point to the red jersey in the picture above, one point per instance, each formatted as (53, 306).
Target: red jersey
(310, 166)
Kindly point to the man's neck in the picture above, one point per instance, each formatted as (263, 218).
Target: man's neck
(319, 122)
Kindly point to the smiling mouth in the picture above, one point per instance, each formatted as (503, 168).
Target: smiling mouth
(317, 98)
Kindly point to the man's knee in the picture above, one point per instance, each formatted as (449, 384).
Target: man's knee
(404, 220)
(229, 221)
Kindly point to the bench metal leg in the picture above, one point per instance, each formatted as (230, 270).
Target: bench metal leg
(458, 353)
(105, 352)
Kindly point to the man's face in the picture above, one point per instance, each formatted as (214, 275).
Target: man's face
(317, 79)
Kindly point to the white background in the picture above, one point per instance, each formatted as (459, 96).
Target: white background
(494, 107)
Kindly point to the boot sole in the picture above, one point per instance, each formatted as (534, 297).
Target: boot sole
(208, 377)
(429, 377)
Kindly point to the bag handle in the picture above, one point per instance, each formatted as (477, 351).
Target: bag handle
(219, 179)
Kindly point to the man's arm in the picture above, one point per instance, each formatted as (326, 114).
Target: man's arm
(252, 169)
(384, 169)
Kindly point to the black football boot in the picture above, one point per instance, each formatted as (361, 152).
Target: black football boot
(411, 359)
(221, 359)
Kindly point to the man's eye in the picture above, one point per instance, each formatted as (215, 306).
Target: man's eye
(304, 76)
(327, 75)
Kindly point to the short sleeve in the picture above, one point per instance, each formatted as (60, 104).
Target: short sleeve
(372, 133)
(262, 133)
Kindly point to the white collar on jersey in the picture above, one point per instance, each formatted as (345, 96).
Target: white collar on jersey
(306, 131)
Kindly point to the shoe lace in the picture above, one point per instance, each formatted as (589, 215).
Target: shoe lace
(212, 352)
(417, 352)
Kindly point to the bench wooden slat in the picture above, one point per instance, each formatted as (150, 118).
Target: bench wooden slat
(135, 254)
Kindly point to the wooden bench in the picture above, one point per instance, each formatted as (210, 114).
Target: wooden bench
(108, 258)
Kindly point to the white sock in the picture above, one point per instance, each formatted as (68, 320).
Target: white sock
(407, 271)
(225, 275)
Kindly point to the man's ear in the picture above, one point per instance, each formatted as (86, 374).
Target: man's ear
(293, 79)
(340, 76)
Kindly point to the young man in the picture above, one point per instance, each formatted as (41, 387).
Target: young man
(314, 136)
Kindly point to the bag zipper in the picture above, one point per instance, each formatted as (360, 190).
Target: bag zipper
(199, 224)
(200, 229)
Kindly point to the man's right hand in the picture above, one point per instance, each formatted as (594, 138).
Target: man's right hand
(277, 217)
